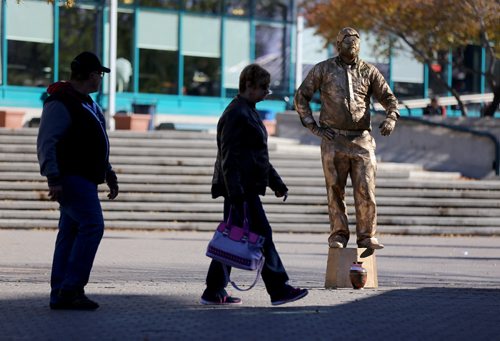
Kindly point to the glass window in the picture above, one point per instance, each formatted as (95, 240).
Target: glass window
(313, 50)
(157, 31)
(158, 71)
(38, 14)
(1, 53)
(125, 35)
(203, 6)
(406, 90)
(158, 55)
(370, 50)
(201, 76)
(496, 73)
(273, 9)
(407, 75)
(239, 8)
(237, 51)
(201, 50)
(29, 63)
(405, 68)
(270, 53)
(201, 36)
(167, 4)
(464, 60)
(124, 51)
(29, 47)
(436, 87)
(80, 29)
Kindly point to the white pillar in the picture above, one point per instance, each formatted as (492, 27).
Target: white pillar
(298, 57)
(113, 19)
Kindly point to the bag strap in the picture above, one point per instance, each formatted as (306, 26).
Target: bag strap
(246, 224)
(259, 269)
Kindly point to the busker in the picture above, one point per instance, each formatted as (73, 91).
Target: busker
(346, 84)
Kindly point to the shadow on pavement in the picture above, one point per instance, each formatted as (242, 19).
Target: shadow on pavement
(428, 313)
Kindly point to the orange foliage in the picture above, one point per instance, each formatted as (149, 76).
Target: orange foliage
(426, 25)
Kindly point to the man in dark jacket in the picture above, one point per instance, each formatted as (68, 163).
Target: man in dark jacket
(242, 172)
(73, 153)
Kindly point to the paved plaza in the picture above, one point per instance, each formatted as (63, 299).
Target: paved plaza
(149, 283)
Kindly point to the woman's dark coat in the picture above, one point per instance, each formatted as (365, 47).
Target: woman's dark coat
(242, 166)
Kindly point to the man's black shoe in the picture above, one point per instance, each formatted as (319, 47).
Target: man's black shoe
(73, 301)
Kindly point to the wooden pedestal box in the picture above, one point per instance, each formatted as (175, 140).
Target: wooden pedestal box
(339, 263)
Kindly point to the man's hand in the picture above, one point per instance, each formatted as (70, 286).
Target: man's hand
(113, 191)
(387, 126)
(320, 131)
(279, 194)
(112, 182)
(55, 192)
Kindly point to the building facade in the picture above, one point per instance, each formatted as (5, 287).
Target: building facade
(183, 56)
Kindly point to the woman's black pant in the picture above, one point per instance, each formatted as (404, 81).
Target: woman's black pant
(273, 272)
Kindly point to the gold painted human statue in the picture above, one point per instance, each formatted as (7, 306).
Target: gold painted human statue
(346, 84)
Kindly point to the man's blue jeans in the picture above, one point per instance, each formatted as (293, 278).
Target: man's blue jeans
(81, 226)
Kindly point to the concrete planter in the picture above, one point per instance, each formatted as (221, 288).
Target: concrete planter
(11, 118)
(270, 127)
(136, 122)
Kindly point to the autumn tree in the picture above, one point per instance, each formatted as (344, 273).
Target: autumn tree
(427, 27)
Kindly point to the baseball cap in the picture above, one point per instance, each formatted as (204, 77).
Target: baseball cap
(88, 62)
(345, 32)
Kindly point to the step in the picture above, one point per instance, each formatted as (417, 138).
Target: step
(165, 180)
(184, 170)
(19, 208)
(288, 218)
(277, 227)
(485, 185)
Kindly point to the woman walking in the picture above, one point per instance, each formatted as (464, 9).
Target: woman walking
(241, 174)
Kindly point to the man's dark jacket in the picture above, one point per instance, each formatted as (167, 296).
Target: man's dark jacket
(242, 166)
(84, 148)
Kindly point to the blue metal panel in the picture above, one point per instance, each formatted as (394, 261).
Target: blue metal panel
(222, 59)
(482, 84)
(4, 44)
(56, 41)
(252, 40)
(426, 81)
(391, 82)
(293, 49)
(292, 58)
(450, 70)
(180, 71)
(21, 96)
(135, 75)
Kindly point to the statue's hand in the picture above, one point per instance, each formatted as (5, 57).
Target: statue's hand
(321, 131)
(387, 126)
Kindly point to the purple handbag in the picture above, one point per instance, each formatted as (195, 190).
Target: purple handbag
(237, 247)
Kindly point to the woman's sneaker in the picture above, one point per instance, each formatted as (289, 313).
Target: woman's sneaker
(289, 294)
(209, 298)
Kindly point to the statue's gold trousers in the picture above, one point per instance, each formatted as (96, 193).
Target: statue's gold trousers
(354, 156)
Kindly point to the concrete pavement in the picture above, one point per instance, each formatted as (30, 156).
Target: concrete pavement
(148, 285)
